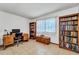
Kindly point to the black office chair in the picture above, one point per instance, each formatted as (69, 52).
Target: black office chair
(18, 38)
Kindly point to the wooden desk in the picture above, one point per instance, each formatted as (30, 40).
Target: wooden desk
(8, 40)
(43, 39)
(13, 34)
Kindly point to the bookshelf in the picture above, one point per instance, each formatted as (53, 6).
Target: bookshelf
(68, 32)
(32, 30)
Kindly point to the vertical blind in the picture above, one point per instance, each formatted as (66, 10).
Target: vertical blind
(47, 25)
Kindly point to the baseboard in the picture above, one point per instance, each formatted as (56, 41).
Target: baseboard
(54, 43)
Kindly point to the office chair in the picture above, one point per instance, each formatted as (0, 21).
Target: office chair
(18, 38)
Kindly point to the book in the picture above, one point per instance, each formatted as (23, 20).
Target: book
(66, 45)
(75, 22)
(69, 18)
(68, 39)
(74, 18)
(62, 19)
(69, 33)
(71, 39)
(64, 23)
(61, 28)
(77, 48)
(74, 40)
(72, 33)
(73, 46)
(75, 34)
(69, 27)
(66, 27)
(71, 22)
(66, 33)
(65, 39)
(61, 38)
(75, 28)
(70, 46)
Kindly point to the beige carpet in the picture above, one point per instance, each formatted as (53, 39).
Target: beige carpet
(35, 48)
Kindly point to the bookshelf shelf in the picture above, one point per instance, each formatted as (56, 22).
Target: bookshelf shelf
(71, 43)
(70, 36)
(69, 32)
(69, 20)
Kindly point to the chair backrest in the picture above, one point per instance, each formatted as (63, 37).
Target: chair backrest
(18, 34)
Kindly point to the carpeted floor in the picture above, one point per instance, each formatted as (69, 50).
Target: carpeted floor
(35, 48)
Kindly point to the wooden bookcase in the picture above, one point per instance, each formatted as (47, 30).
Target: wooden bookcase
(32, 30)
(69, 32)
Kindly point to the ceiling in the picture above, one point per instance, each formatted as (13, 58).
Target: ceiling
(34, 10)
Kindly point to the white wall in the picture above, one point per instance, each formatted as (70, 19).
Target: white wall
(55, 36)
(10, 21)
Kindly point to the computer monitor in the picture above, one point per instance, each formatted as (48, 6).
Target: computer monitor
(15, 30)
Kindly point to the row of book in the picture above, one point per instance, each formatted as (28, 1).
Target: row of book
(69, 33)
(73, 47)
(73, 34)
(69, 27)
(70, 40)
(69, 18)
(69, 23)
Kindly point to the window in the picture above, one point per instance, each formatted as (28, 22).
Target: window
(41, 26)
(48, 25)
